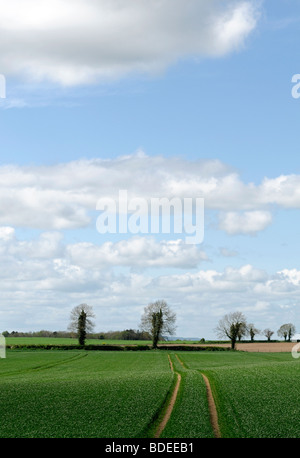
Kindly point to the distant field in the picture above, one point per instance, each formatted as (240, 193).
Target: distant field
(69, 341)
(76, 393)
(244, 346)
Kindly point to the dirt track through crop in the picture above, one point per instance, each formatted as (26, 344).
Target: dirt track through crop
(211, 403)
(171, 404)
(212, 408)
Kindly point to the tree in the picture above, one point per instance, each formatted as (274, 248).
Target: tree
(286, 331)
(268, 334)
(232, 326)
(82, 327)
(157, 324)
(252, 331)
(242, 331)
(80, 321)
(128, 334)
(158, 319)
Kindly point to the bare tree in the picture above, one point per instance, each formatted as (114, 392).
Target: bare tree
(242, 331)
(286, 331)
(158, 319)
(268, 334)
(252, 331)
(231, 326)
(80, 321)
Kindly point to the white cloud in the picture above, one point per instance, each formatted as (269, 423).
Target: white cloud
(7, 233)
(246, 222)
(137, 252)
(51, 273)
(81, 41)
(283, 190)
(70, 260)
(291, 275)
(65, 196)
(35, 287)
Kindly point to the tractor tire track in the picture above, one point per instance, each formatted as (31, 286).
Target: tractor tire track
(42, 367)
(211, 403)
(171, 404)
(212, 408)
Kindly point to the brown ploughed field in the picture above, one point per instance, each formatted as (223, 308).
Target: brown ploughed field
(266, 347)
(263, 347)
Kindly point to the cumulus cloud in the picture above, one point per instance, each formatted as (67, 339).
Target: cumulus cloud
(34, 287)
(65, 196)
(283, 190)
(45, 276)
(68, 259)
(246, 222)
(292, 276)
(137, 252)
(81, 41)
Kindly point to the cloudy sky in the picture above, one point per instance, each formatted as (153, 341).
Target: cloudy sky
(170, 99)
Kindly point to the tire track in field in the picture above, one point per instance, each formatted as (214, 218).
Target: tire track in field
(181, 362)
(211, 403)
(171, 404)
(42, 367)
(212, 408)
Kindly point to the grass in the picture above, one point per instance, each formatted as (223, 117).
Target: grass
(121, 394)
(70, 341)
(190, 417)
(58, 394)
(257, 395)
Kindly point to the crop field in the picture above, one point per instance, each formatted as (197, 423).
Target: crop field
(190, 417)
(69, 341)
(78, 393)
(257, 395)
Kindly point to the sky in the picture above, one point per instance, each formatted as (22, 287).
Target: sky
(168, 99)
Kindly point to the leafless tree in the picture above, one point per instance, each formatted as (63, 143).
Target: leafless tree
(268, 333)
(231, 326)
(252, 331)
(286, 331)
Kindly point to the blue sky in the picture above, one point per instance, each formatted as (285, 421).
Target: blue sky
(196, 102)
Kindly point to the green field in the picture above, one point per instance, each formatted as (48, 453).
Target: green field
(70, 341)
(257, 394)
(79, 393)
(190, 417)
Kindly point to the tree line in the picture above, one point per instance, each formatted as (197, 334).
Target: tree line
(234, 326)
(157, 320)
(126, 334)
